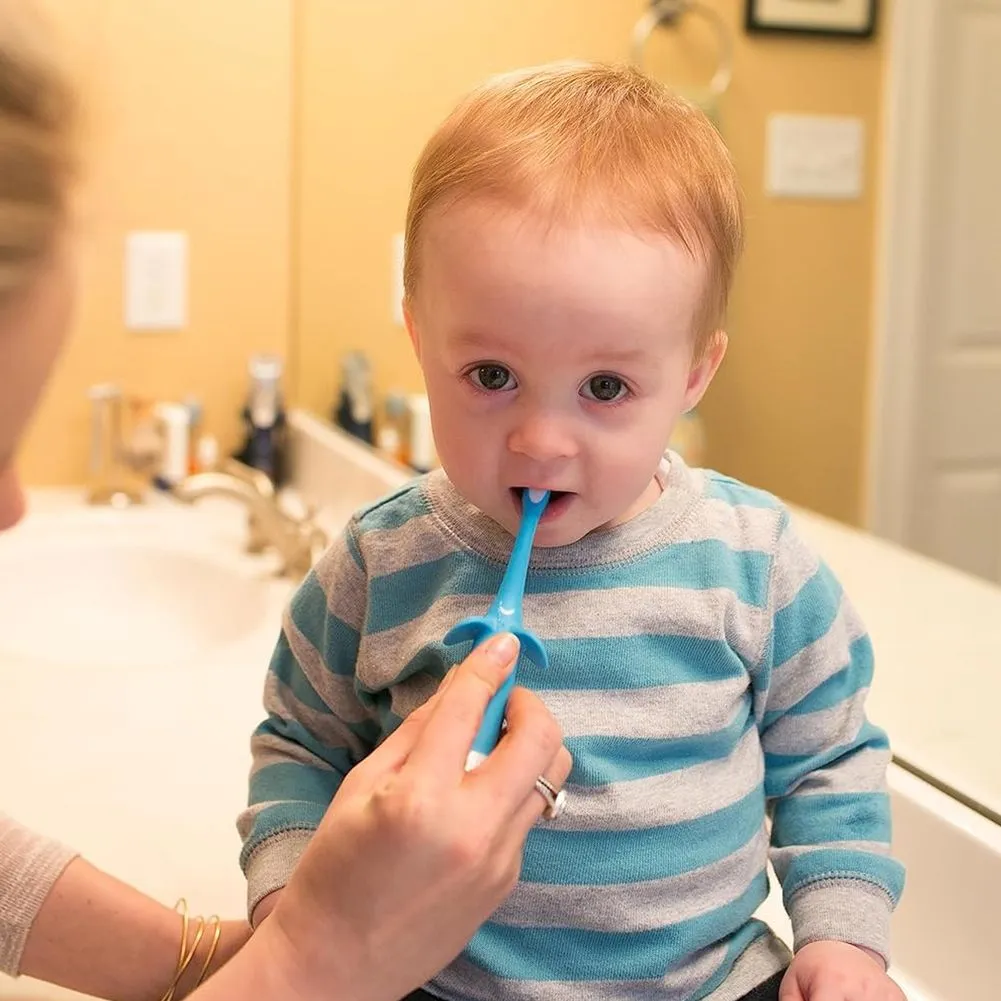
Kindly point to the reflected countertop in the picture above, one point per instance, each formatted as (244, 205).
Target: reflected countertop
(937, 637)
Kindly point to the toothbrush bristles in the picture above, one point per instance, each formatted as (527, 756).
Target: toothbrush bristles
(535, 496)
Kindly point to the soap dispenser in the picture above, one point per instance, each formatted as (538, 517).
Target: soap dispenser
(264, 419)
(354, 408)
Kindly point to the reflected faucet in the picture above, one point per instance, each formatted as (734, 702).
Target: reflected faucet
(116, 476)
(299, 542)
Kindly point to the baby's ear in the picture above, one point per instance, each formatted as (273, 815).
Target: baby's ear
(411, 325)
(704, 367)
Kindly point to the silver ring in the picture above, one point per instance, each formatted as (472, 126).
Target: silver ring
(556, 799)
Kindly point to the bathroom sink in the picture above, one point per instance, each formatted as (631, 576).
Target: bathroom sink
(161, 585)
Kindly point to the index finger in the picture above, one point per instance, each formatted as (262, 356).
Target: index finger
(440, 752)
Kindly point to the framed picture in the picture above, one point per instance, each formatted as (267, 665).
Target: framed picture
(838, 18)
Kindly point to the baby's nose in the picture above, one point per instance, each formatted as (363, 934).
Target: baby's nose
(543, 439)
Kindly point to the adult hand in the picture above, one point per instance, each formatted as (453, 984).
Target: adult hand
(414, 852)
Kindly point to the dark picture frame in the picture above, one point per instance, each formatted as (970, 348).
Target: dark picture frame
(760, 20)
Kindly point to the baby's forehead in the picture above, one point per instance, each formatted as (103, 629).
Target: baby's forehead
(488, 267)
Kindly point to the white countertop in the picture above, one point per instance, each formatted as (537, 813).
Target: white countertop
(937, 639)
(145, 770)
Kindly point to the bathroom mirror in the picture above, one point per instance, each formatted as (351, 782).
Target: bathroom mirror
(862, 377)
(863, 374)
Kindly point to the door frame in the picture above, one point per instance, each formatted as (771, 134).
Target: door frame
(899, 306)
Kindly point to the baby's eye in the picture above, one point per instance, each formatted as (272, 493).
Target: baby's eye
(495, 378)
(604, 388)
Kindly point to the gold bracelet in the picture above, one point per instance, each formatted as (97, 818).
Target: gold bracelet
(212, 948)
(185, 955)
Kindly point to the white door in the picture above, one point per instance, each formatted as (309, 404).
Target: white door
(936, 464)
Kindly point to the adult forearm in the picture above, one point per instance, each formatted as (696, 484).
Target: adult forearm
(96, 935)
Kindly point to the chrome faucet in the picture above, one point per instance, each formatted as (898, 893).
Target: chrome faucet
(118, 475)
(299, 542)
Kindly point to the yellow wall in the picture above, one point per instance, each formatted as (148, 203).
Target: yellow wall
(375, 78)
(789, 408)
(190, 129)
(291, 173)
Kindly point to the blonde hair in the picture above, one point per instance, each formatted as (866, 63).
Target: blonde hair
(586, 141)
(37, 155)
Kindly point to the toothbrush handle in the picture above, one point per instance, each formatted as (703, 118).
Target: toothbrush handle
(490, 728)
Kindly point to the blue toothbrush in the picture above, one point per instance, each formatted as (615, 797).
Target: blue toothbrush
(504, 616)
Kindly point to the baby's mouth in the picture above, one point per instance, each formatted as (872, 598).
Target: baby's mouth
(554, 496)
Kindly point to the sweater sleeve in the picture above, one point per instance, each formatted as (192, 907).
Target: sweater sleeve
(29, 867)
(825, 763)
(316, 728)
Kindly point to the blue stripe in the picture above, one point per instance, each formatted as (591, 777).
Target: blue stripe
(846, 684)
(393, 510)
(308, 606)
(844, 864)
(286, 669)
(573, 954)
(339, 758)
(616, 663)
(697, 566)
(599, 761)
(821, 818)
(399, 597)
(278, 818)
(738, 494)
(291, 780)
(808, 617)
(336, 640)
(403, 595)
(783, 771)
(603, 858)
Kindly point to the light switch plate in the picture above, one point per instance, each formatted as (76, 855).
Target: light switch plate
(156, 280)
(814, 156)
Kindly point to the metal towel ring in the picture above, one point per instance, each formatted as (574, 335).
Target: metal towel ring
(667, 12)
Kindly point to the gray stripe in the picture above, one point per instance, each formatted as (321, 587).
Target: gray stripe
(382, 655)
(660, 712)
(848, 910)
(667, 798)
(269, 749)
(741, 527)
(763, 958)
(808, 733)
(794, 679)
(328, 729)
(637, 907)
(795, 564)
(463, 981)
(419, 540)
(862, 771)
(782, 858)
(336, 690)
(710, 613)
(272, 863)
(412, 694)
(343, 584)
(713, 614)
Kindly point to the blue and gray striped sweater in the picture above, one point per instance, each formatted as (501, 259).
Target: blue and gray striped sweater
(709, 676)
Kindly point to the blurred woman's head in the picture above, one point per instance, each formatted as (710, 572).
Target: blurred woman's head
(37, 167)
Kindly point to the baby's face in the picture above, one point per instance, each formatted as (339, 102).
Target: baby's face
(554, 357)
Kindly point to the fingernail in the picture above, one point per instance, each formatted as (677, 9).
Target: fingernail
(503, 647)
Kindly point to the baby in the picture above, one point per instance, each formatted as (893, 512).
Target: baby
(571, 240)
